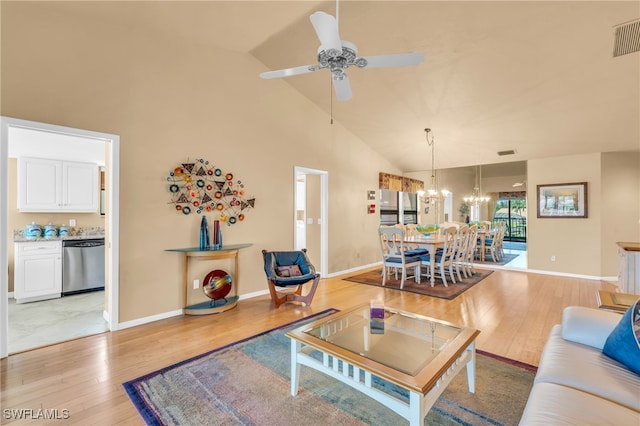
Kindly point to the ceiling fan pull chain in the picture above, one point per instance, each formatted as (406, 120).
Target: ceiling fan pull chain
(331, 98)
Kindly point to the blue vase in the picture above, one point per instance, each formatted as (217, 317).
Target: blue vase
(204, 234)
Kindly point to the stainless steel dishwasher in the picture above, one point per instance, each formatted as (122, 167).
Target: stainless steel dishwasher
(82, 265)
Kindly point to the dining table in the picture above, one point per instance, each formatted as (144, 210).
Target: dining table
(429, 243)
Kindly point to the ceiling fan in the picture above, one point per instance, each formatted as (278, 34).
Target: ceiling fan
(337, 55)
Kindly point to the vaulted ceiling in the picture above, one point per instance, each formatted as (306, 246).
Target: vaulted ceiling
(536, 77)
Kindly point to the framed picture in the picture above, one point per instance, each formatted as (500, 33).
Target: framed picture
(564, 200)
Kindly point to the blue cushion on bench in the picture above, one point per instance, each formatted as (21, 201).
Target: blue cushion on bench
(415, 252)
(428, 258)
(407, 259)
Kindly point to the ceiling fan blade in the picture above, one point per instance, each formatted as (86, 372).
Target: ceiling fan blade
(326, 28)
(397, 60)
(342, 88)
(305, 69)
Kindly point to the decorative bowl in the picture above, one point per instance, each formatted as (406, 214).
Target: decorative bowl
(428, 230)
(217, 284)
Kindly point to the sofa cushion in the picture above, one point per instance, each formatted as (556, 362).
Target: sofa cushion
(588, 369)
(551, 404)
(288, 271)
(588, 326)
(623, 344)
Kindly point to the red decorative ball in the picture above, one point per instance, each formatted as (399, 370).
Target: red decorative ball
(217, 284)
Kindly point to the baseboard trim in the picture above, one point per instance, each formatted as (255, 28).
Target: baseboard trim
(152, 318)
(352, 270)
(254, 294)
(543, 272)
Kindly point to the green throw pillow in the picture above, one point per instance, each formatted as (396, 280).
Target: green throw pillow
(623, 344)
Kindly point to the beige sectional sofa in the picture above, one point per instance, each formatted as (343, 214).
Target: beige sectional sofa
(576, 384)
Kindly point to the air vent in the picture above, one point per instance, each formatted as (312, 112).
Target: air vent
(507, 152)
(627, 39)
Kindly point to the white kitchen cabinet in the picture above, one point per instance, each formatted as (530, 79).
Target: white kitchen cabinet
(629, 268)
(46, 185)
(37, 271)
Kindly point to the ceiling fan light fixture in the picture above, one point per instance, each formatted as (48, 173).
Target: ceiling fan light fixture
(337, 55)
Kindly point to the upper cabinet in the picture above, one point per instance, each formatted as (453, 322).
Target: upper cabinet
(57, 186)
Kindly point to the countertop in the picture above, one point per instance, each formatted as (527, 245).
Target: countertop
(75, 234)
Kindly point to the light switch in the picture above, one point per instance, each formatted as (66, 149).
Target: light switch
(309, 221)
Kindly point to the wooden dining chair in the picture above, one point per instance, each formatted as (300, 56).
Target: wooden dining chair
(460, 254)
(471, 251)
(445, 258)
(491, 245)
(394, 255)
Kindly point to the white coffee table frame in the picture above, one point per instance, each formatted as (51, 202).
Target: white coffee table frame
(424, 388)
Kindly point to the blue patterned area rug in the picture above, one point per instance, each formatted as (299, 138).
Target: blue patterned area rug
(247, 383)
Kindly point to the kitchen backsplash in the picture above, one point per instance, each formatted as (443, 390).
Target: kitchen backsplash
(83, 232)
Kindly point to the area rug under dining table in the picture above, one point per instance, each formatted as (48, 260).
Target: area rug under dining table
(374, 277)
(247, 383)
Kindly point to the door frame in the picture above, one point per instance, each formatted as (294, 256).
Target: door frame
(112, 147)
(324, 212)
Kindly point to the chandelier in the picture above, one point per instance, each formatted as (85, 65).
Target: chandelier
(432, 193)
(477, 198)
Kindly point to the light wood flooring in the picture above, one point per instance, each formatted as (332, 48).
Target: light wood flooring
(513, 310)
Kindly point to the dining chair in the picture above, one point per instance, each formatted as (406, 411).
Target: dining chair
(460, 254)
(503, 226)
(471, 251)
(394, 255)
(444, 258)
(413, 249)
(491, 245)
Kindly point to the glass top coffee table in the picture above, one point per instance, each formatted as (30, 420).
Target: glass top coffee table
(417, 353)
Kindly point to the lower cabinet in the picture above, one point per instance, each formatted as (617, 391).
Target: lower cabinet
(37, 271)
(628, 270)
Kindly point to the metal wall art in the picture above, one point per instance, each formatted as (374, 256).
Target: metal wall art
(200, 187)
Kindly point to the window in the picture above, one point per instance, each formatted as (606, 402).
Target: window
(409, 208)
(395, 205)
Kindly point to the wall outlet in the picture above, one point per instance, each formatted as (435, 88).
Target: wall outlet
(553, 258)
(196, 284)
(72, 222)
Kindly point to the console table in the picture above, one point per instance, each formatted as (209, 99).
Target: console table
(226, 252)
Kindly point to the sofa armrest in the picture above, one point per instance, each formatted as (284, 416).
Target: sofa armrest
(588, 326)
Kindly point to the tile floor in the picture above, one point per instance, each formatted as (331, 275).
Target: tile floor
(36, 324)
(519, 262)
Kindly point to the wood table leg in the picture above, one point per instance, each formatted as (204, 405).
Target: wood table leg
(432, 258)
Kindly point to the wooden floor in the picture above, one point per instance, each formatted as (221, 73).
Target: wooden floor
(513, 310)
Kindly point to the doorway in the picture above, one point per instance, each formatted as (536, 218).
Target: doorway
(513, 212)
(310, 225)
(111, 144)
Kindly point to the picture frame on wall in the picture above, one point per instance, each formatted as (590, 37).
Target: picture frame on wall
(563, 200)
